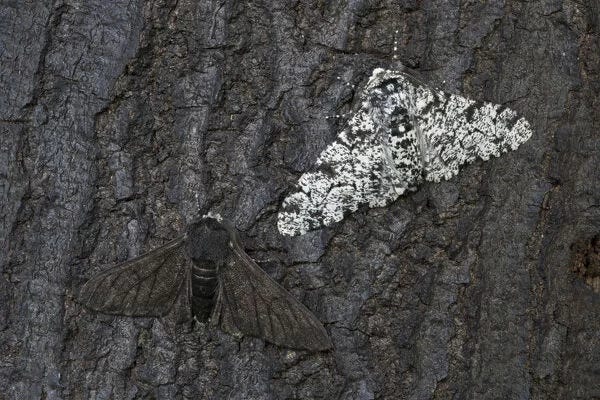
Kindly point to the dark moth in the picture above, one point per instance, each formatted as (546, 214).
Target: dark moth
(221, 282)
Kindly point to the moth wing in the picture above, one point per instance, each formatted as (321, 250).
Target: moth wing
(370, 163)
(402, 132)
(146, 286)
(249, 302)
(456, 130)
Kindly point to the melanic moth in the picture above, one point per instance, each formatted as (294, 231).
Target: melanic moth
(221, 283)
(402, 133)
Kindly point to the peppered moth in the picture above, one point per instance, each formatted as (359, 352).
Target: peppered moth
(221, 283)
(403, 133)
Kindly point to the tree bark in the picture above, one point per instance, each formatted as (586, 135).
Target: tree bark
(122, 120)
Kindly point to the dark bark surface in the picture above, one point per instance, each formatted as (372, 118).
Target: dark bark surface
(121, 120)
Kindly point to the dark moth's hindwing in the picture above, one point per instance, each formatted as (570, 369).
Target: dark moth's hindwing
(251, 303)
(146, 286)
(240, 297)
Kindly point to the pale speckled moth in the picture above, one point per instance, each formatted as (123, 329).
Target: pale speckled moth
(221, 282)
(403, 133)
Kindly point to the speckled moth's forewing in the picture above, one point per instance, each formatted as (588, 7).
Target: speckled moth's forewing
(402, 133)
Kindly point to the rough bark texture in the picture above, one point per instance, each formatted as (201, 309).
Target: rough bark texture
(121, 120)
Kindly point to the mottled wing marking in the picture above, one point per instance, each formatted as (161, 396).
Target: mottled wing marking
(402, 133)
(360, 167)
(457, 130)
(249, 302)
(146, 286)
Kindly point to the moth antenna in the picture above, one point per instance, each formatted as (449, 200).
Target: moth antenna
(338, 116)
(266, 260)
(198, 211)
(346, 83)
(396, 64)
(347, 114)
(395, 48)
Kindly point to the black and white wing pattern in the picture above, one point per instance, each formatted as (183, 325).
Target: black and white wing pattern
(403, 133)
(146, 286)
(249, 302)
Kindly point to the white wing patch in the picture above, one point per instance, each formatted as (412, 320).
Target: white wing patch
(402, 134)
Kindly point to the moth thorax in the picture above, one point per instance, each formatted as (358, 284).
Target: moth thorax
(208, 242)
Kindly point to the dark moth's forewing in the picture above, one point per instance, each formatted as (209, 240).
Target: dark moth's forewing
(251, 303)
(248, 301)
(146, 286)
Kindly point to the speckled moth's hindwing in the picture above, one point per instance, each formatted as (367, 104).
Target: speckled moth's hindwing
(456, 130)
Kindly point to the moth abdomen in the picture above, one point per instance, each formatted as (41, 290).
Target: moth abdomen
(204, 285)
